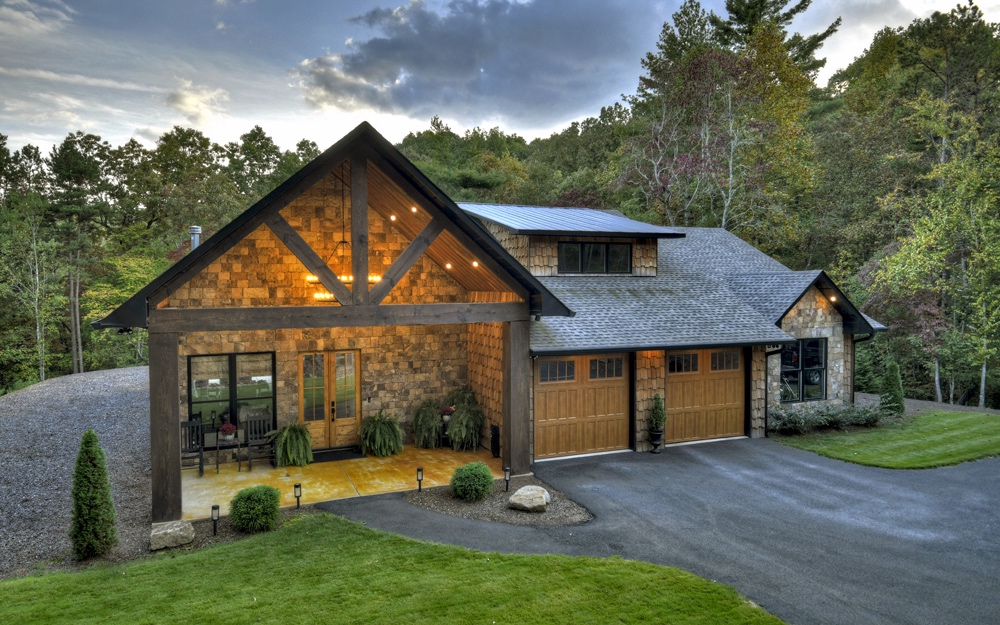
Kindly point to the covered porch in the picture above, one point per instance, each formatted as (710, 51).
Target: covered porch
(324, 481)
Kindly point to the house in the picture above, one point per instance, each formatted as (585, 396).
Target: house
(357, 285)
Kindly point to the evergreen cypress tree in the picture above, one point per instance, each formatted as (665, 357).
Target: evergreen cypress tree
(891, 397)
(92, 530)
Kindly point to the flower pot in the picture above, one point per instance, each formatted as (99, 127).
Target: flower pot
(656, 439)
(227, 438)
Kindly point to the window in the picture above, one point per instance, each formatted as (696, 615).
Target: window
(682, 363)
(726, 361)
(595, 258)
(557, 370)
(803, 371)
(601, 368)
(228, 388)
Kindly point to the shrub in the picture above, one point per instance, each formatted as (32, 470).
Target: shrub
(472, 482)
(255, 509)
(891, 394)
(427, 425)
(92, 528)
(657, 415)
(803, 418)
(293, 446)
(466, 421)
(380, 435)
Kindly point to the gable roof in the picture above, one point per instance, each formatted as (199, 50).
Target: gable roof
(134, 312)
(711, 289)
(543, 220)
(774, 294)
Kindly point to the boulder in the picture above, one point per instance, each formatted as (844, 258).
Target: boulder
(530, 499)
(170, 534)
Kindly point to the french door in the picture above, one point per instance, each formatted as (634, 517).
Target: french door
(330, 397)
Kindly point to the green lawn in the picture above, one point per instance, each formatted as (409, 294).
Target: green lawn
(323, 569)
(934, 439)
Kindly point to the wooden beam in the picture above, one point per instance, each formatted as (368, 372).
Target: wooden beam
(308, 257)
(237, 234)
(165, 426)
(321, 316)
(420, 197)
(516, 396)
(359, 226)
(404, 261)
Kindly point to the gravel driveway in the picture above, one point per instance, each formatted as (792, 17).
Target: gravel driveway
(40, 431)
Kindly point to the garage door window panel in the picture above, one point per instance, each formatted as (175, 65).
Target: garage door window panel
(557, 371)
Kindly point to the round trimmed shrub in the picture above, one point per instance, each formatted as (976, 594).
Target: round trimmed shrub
(255, 509)
(472, 482)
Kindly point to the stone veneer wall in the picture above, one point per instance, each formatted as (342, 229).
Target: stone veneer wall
(758, 383)
(650, 378)
(261, 271)
(813, 316)
(401, 366)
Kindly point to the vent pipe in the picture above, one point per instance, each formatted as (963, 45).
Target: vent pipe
(195, 232)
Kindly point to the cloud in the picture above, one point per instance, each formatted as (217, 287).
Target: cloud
(197, 103)
(77, 79)
(27, 19)
(529, 62)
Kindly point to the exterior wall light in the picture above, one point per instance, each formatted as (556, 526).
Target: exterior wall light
(475, 263)
(215, 519)
(311, 279)
(447, 265)
(420, 478)
(298, 495)
(392, 218)
(413, 209)
(323, 296)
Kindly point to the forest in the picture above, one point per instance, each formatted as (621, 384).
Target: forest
(888, 178)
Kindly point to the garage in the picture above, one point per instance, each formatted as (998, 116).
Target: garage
(705, 395)
(581, 405)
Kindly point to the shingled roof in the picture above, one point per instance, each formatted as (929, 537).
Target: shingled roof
(711, 289)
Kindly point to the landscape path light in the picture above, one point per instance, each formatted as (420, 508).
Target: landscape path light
(298, 495)
(215, 519)
(420, 479)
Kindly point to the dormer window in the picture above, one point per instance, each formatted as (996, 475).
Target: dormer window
(595, 258)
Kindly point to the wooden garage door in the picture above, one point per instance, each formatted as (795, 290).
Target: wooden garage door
(704, 395)
(581, 405)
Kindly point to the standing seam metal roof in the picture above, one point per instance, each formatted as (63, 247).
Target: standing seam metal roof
(540, 220)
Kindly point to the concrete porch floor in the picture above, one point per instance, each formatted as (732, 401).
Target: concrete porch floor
(324, 481)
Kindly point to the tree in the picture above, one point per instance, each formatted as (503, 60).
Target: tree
(745, 16)
(891, 395)
(92, 528)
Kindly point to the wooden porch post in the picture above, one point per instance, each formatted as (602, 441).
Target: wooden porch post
(164, 425)
(516, 385)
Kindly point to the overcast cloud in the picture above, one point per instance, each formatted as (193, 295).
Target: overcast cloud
(316, 68)
(533, 63)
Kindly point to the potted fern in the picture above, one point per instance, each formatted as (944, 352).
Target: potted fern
(292, 445)
(655, 421)
(380, 435)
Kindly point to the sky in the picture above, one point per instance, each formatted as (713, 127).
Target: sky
(315, 69)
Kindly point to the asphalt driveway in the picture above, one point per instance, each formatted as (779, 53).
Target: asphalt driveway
(812, 540)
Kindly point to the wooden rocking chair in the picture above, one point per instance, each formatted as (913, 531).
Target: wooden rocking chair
(193, 445)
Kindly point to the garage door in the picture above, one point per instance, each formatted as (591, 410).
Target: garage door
(581, 405)
(704, 395)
